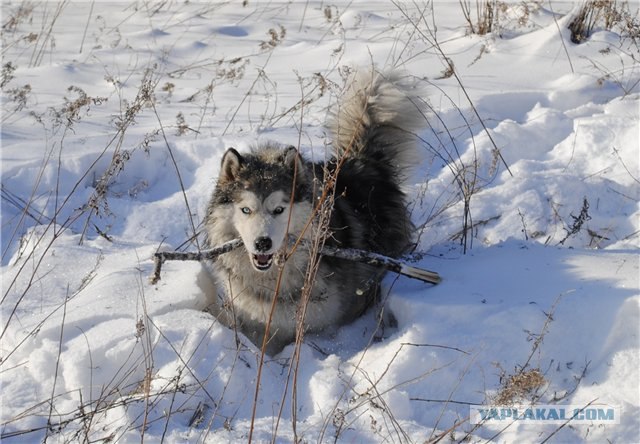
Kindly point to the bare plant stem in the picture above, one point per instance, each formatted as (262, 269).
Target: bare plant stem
(84, 34)
(566, 51)
(545, 329)
(248, 93)
(55, 375)
(565, 423)
(175, 165)
(263, 350)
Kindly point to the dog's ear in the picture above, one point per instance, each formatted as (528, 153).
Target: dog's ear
(231, 163)
(293, 160)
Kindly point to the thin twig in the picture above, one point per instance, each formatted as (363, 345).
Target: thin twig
(566, 422)
(566, 51)
(55, 376)
(444, 401)
(84, 34)
(263, 351)
(180, 181)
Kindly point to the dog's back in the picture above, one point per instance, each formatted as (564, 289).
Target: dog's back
(373, 129)
(374, 132)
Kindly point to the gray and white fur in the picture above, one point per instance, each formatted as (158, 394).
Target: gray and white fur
(267, 196)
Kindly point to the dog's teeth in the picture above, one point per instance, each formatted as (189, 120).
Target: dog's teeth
(262, 261)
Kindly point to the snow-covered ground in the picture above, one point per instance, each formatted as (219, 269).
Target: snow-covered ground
(114, 119)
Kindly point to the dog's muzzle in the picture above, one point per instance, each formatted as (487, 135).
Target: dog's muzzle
(262, 261)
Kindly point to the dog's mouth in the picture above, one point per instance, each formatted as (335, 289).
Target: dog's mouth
(262, 262)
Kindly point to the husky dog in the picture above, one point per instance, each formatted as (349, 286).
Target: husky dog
(271, 195)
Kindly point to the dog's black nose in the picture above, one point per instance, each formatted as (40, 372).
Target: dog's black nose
(263, 244)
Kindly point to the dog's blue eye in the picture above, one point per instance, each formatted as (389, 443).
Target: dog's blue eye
(278, 210)
(245, 210)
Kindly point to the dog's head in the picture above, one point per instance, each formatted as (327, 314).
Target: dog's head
(263, 189)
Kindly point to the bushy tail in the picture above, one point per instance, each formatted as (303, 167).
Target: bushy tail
(377, 118)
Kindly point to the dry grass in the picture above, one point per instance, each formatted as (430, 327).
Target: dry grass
(607, 14)
(520, 386)
(485, 18)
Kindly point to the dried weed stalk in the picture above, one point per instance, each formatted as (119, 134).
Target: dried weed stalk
(486, 15)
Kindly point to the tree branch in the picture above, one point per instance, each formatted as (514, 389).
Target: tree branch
(212, 253)
(351, 254)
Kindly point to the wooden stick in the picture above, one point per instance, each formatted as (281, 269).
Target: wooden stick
(351, 254)
(212, 253)
(380, 260)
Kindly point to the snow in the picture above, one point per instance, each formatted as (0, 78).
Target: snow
(91, 350)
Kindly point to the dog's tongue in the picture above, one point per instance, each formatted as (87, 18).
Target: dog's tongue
(263, 259)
